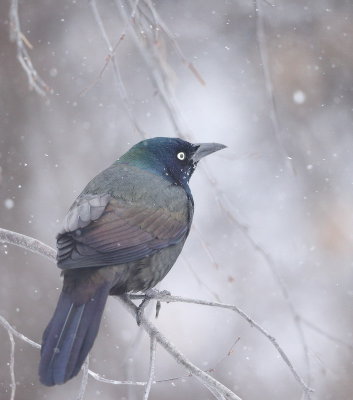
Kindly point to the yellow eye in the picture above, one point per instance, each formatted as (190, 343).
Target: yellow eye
(181, 155)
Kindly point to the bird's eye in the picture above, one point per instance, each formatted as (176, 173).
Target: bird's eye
(181, 155)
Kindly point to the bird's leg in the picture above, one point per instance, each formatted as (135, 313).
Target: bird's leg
(158, 308)
(149, 295)
(141, 308)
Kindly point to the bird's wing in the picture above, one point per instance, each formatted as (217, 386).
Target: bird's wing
(100, 231)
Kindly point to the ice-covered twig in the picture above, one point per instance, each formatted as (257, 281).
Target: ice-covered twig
(84, 379)
(12, 365)
(27, 243)
(34, 80)
(94, 375)
(202, 376)
(152, 366)
(272, 339)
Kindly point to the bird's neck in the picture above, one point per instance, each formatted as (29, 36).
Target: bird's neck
(154, 166)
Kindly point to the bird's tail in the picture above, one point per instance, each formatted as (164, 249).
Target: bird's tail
(69, 337)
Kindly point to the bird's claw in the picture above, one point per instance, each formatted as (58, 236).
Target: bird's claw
(154, 293)
(149, 295)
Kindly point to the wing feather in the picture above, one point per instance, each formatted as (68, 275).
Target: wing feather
(100, 231)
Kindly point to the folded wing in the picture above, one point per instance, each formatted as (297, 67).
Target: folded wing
(101, 231)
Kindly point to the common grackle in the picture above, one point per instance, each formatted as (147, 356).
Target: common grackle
(123, 234)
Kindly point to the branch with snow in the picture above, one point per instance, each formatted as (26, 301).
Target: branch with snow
(206, 379)
(16, 35)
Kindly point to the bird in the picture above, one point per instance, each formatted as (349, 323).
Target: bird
(122, 234)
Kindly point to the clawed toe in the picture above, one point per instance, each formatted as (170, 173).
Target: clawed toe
(149, 295)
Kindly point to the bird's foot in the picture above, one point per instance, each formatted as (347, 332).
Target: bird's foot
(155, 293)
(141, 309)
(149, 295)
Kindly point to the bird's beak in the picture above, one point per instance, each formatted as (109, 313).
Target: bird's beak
(204, 149)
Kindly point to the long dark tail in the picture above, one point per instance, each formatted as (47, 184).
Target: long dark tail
(69, 337)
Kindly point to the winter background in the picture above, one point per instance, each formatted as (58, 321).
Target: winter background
(277, 89)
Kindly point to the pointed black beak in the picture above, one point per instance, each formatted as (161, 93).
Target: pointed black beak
(204, 149)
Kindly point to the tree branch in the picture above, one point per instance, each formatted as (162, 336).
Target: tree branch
(84, 379)
(40, 248)
(272, 339)
(152, 366)
(112, 57)
(34, 80)
(27, 243)
(261, 42)
(205, 378)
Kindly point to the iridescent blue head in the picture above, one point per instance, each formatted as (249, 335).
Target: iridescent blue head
(173, 158)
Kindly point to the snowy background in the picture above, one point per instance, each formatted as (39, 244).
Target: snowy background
(290, 188)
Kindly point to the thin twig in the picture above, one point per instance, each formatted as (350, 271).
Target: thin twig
(84, 379)
(12, 365)
(327, 335)
(160, 24)
(103, 69)
(202, 376)
(100, 378)
(206, 247)
(28, 243)
(34, 80)
(261, 41)
(11, 329)
(272, 339)
(112, 58)
(152, 367)
(225, 205)
(157, 66)
(199, 280)
(230, 352)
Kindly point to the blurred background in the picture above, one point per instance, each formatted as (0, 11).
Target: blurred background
(276, 87)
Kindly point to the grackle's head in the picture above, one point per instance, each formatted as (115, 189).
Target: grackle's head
(174, 158)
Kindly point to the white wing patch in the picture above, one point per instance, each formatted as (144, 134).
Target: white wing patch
(85, 210)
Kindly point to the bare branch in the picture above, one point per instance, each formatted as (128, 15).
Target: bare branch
(112, 57)
(34, 80)
(202, 376)
(100, 378)
(207, 380)
(84, 379)
(224, 204)
(158, 68)
(28, 243)
(206, 247)
(170, 299)
(160, 24)
(12, 366)
(212, 369)
(94, 375)
(105, 65)
(326, 334)
(11, 329)
(261, 41)
(199, 280)
(152, 366)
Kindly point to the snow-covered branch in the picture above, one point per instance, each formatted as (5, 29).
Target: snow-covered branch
(207, 380)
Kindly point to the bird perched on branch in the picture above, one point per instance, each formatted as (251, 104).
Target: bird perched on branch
(123, 234)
